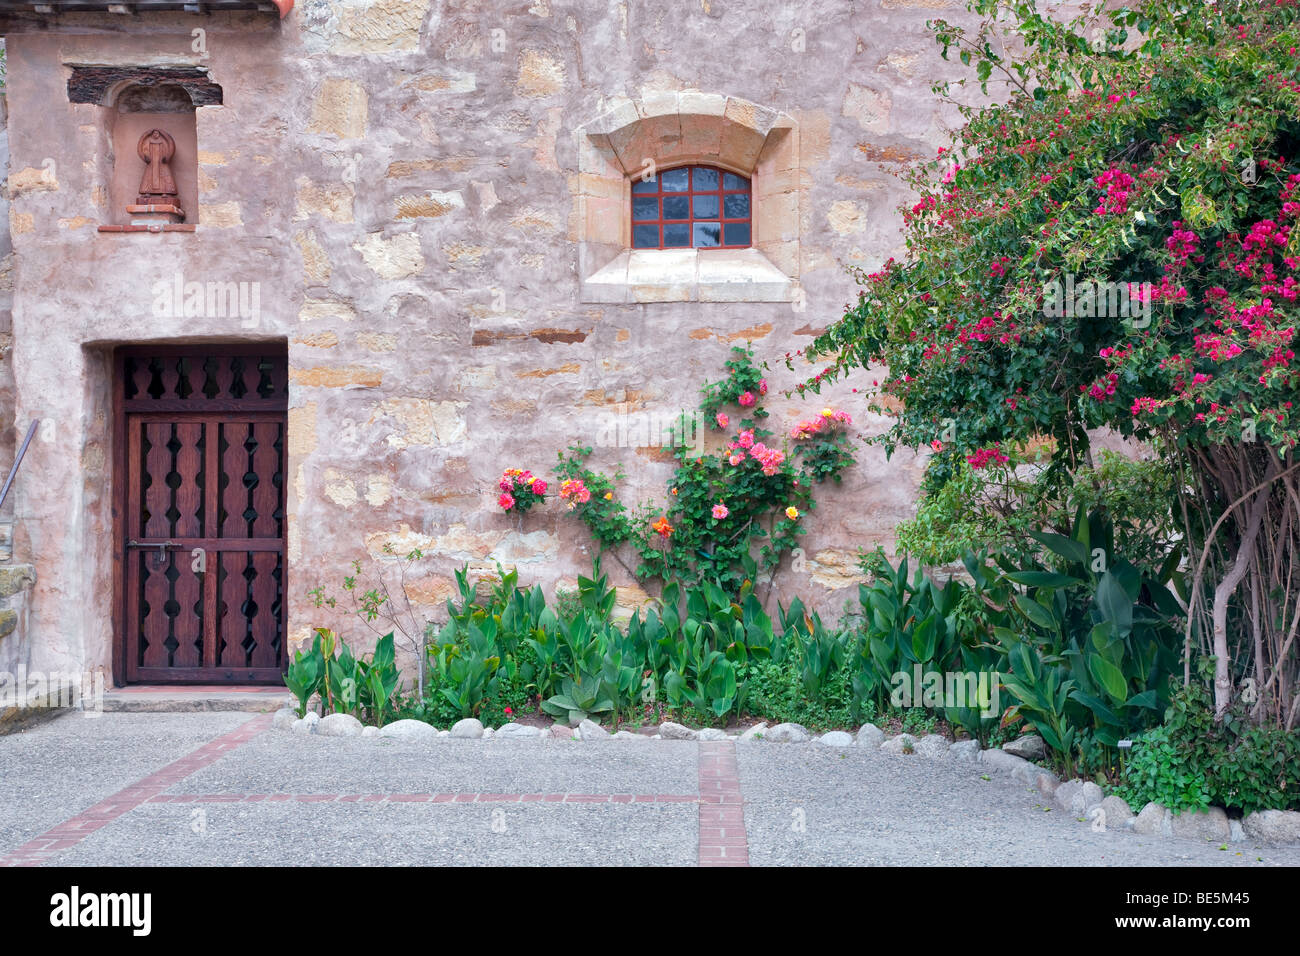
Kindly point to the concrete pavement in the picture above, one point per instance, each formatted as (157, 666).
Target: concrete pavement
(129, 789)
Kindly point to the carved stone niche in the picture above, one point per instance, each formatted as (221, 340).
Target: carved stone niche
(154, 181)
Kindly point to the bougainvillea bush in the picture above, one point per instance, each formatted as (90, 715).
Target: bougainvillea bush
(729, 514)
(1115, 246)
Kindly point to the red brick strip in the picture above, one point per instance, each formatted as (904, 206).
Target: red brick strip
(425, 797)
(723, 841)
(73, 831)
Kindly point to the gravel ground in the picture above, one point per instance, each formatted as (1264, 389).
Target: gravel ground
(394, 835)
(868, 808)
(286, 762)
(803, 804)
(57, 769)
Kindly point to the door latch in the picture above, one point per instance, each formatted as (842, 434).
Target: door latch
(160, 558)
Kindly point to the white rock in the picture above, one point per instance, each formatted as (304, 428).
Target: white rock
(753, 733)
(444, 733)
(1236, 832)
(339, 725)
(517, 732)
(1278, 827)
(1205, 826)
(369, 731)
(284, 719)
(903, 743)
(1085, 798)
(1030, 746)
(967, 751)
(1151, 821)
(710, 733)
(933, 746)
(1116, 813)
(307, 725)
(836, 738)
(869, 735)
(996, 759)
(628, 735)
(671, 731)
(1034, 775)
(590, 730)
(487, 733)
(788, 734)
(409, 730)
(470, 728)
(1064, 794)
(1047, 785)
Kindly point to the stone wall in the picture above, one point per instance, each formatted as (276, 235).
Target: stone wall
(416, 187)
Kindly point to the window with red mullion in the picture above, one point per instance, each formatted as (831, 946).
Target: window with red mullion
(688, 207)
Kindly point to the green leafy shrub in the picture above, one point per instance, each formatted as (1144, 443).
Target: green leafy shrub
(996, 508)
(361, 686)
(1192, 761)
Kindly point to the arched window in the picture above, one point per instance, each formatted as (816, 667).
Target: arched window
(691, 206)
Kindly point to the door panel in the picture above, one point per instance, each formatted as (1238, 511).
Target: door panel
(204, 524)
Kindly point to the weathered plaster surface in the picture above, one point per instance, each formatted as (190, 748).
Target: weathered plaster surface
(405, 180)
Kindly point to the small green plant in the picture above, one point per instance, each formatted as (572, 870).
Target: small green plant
(1192, 761)
(364, 687)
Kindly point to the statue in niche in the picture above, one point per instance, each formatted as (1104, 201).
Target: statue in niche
(158, 187)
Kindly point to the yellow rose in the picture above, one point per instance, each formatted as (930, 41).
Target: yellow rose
(827, 413)
(792, 512)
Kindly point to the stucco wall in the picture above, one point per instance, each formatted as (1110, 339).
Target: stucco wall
(402, 177)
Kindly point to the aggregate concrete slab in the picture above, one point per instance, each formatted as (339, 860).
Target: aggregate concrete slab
(812, 806)
(57, 769)
(293, 763)
(412, 834)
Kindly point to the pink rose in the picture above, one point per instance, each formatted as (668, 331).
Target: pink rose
(747, 399)
(722, 420)
(720, 511)
(539, 486)
(506, 501)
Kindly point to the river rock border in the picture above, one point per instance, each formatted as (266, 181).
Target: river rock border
(1082, 799)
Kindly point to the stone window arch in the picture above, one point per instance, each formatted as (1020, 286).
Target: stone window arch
(637, 138)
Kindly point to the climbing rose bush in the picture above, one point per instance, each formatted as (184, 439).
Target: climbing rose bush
(730, 514)
(520, 490)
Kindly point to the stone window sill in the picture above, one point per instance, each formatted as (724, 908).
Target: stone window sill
(688, 275)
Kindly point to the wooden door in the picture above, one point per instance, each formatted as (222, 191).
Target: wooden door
(202, 527)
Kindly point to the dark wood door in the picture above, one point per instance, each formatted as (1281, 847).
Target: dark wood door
(203, 527)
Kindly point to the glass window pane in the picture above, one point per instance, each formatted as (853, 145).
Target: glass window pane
(737, 205)
(707, 234)
(650, 186)
(705, 179)
(677, 207)
(737, 233)
(645, 208)
(645, 237)
(732, 181)
(676, 180)
(677, 235)
(706, 207)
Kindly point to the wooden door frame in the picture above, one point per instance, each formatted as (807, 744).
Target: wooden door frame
(119, 492)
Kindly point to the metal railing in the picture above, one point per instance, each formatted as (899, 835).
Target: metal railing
(31, 430)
